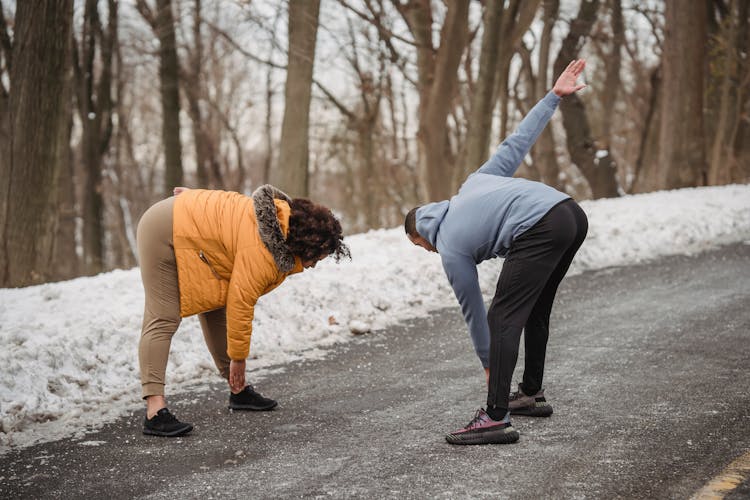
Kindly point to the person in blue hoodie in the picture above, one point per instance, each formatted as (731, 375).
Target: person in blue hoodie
(537, 230)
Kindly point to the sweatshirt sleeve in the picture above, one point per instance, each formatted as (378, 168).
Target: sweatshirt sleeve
(462, 275)
(513, 150)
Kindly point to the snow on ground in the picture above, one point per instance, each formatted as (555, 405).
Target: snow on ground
(69, 350)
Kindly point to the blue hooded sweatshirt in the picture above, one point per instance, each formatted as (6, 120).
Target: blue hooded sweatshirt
(491, 209)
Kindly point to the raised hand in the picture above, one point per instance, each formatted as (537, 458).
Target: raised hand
(566, 82)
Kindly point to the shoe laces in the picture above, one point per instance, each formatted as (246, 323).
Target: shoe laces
(479, 417)
(167, 417)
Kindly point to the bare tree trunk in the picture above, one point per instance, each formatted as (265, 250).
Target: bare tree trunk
(370, 176)
(727, 77)
(66, 265)
(681, 137)
(268, 119)
(480, 118)
(718, 171)
(4, 123)
(645, 176)
(291, 173)
(612, 66)
(436, 156)
(170, 95)
(594, 161)
(543, 153)
(122, 172)
(38, 130)
(208, 172)
(93, 207)
(192, 86)
(162, 24)
(268, 129)
(503, 98)
(551, 13)
(516, 20)
(438, 81)
(403, 188)
(741, 140)
(95, 110)
(6, 57)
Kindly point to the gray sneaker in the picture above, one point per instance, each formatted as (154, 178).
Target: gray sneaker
(529, 406)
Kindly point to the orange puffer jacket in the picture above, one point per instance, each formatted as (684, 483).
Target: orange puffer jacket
(230, 250)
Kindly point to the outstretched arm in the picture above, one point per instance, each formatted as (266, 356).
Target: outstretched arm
(515, 147)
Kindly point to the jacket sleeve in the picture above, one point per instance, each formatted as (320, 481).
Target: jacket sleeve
(246, 285)
(462, 275)
(514, 148)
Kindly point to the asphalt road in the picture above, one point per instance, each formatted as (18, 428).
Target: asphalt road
(647, 372)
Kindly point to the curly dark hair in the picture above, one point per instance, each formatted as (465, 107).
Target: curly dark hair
(314, 232)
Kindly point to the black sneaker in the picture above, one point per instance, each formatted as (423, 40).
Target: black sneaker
(534, 405)
(248, 399)
(165, 424)
(483, 430)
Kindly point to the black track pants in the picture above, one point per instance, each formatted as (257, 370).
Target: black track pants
(535, 265)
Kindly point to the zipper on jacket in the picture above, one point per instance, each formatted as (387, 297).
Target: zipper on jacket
(204, 259)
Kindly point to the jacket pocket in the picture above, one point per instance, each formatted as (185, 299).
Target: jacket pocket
(206, 261)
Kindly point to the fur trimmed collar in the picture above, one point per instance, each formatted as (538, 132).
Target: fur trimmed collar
(269, 228)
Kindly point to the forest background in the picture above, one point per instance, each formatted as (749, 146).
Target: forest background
(368, 106)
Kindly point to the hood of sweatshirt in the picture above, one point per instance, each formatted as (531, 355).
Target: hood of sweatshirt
(429, 218)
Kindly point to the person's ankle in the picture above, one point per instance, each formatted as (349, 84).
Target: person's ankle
(154, 404)
(235, 392)
(526, 391)
(496, 413)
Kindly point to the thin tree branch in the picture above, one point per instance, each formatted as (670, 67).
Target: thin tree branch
(649, 14)
(344, 110)
(147, 13)
(104, 93)
(224, 119)
(354, 61)
(384, 35)
(241, 50)
(376, 21)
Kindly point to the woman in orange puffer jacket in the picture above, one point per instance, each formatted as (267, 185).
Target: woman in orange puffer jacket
(214, 253)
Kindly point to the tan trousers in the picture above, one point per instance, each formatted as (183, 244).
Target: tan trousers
(161, 314)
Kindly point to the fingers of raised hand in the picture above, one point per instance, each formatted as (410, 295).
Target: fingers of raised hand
(575, 67)
(580, 64)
